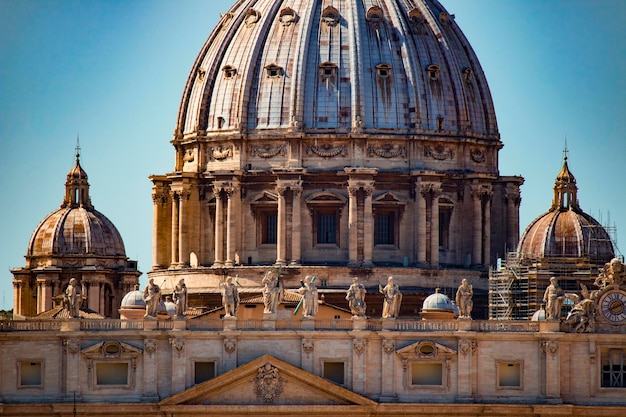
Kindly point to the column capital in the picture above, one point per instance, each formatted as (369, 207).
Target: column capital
(479, 191)
(430, 188)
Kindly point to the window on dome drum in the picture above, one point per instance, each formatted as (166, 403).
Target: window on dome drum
(111, 373)
(325, 226)
(509, 375)
(427, 374)
(203, 371)
(445, 214)
(334, 371)
(269, 227)
(613, 369)
(385, 228)
(30, 374)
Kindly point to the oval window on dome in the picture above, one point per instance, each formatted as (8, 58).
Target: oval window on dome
(383, 71)
(433, 72)
(273, 71)
(330, 16)
(229, 72)
(287, 16)
(374, 15)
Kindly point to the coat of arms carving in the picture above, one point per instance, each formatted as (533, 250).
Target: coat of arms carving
(268, 383)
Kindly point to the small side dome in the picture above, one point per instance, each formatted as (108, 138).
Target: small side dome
(539, 315)
(439, 306)
(134, 299)
(170, 307)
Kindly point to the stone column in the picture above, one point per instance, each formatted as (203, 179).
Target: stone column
(421, 222)
(353, 243)
(434, 226)
(157, 259)
(17, 297)
(368, 227)
(44, 296)
(219, 228)
(477, 228)
(487, 231)
(231, 193)
(183, 252)
(175, 224)
(296, 233)
(281, 238)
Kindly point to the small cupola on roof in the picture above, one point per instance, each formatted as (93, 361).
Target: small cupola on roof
(565, 230)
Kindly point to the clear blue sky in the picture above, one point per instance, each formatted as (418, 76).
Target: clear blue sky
(114, 71)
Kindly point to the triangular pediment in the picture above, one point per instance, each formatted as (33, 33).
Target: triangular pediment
(266, 197)
(388, 197)
(111, 349)
(267, 381)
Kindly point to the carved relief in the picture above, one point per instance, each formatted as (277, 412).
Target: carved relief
(466, 346)
(221, 152)
(550, 346)
(307, 346)
(389, 346)
(327, 150)
(267, 151)
(477, 155)
(149, 346)
(359, 346)
(178, 344)
(374, 15)
(189, 155)
(438, 152)
(72, 346)
(268, 383)
(387, 151)
(230, 345)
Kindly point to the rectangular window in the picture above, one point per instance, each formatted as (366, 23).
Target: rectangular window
(614, 369)
(31, 374)
(384, 229)
(203, 371)
(509, 375)
(270, 228)
(334, 371)
(327, 227)
(112, 373)
(427, 373)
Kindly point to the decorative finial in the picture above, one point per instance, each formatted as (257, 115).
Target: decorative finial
(77, 147)
(565, 149)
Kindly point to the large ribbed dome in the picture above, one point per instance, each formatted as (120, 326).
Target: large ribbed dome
(565, 230)
(387, 66)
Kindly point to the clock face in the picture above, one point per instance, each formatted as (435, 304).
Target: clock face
(613, 306)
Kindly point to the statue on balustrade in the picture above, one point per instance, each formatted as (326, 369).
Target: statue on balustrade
(180, 298)
(309, 297)
(73, 299)
(230, 297)
(356, 298)
(392, 299)
(272, 291)
(553, 298)
(464, 301)
(152, 298)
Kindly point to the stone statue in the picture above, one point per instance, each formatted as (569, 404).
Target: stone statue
(73, 299)
(180, 298)
(152, 297)
(271, 292)
(230, 297)
(583, 315)
(553, 298)
(356, 298)
(392, 299)
(464, 301)
(309, 297)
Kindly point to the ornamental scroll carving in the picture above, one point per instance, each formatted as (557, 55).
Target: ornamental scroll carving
(389, 345)
(387, 151)
(477, 155)
(327, 150)
(267, 151)
(178, 344)
(359, 346)
(268, 383)
(230, 345)
(72, 346)
(221, 152)
(307, 346)
(438, 152)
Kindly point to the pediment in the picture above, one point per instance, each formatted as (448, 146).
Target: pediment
(266, 197)
(267, 381)
(111, 349)
(387, 198)
(425, 349)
